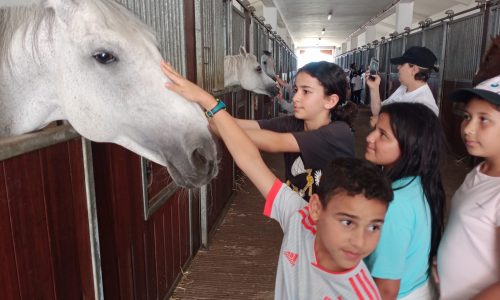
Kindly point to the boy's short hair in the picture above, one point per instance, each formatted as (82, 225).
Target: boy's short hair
(353, 176)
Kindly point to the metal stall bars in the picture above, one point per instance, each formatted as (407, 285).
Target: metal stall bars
(238, 32)
(212, 43)
(384, 67)
(463, 54)
(396, 48)
(434, 38)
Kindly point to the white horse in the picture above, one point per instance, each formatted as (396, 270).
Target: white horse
(93, 63)
(267, 63)
(244, 70)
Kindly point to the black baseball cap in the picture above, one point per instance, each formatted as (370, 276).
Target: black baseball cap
(488, 90)
(420, 56)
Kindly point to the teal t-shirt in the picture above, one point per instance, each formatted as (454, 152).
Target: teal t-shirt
(403, 250)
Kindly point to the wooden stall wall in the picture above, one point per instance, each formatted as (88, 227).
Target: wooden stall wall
(44, 232)
(141, 259)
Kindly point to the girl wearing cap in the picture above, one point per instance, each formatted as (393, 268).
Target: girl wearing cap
(414, 68)
(469, 254)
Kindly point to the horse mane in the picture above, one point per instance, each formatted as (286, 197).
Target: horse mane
(19, 18)
(490, 65)
(114, 15)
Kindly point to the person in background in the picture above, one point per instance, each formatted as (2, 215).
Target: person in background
(414, 68)
(408, 143)
(357, 86)
(325, 240)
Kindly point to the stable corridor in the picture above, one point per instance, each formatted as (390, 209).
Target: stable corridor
(240, 262)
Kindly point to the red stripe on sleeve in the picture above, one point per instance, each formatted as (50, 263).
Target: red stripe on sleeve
(271, 196)
(363, 285)
(356, 289)
(373, 288)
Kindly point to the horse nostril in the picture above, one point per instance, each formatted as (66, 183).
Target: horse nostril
(199, 158)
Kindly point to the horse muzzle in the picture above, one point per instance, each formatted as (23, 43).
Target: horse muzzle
(273, 91)
(197, 168)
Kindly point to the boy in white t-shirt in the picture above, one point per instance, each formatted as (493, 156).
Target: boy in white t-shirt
(414, 69)
(326, 239)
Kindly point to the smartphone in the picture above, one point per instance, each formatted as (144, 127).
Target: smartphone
(373, 67)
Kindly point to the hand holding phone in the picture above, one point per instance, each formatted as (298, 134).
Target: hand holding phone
(373, 68)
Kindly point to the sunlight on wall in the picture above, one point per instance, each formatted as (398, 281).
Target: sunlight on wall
(313, 54)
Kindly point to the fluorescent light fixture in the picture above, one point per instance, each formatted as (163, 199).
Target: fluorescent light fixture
(329, 16)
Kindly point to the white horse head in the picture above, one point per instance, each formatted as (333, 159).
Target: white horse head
(245, 70)
(267, 63)
(95, 64)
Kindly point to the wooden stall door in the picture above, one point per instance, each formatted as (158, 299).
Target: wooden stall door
(44, 233)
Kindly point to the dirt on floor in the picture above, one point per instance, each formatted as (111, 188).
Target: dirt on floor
(241, 260)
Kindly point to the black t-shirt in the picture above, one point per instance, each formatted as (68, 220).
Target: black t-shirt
(317, 148)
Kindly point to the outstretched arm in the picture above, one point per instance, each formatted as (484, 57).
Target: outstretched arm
(375, 101)
(265, 140)
(243, 150)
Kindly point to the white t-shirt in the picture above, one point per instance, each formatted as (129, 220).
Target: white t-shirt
(467, 259)
(299, 275)
(358, 84)
(421, 95)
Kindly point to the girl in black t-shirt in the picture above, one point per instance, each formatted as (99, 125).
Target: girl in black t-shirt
(319, 130)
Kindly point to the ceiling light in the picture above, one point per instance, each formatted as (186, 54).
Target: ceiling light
(323, 31)
(329, 16)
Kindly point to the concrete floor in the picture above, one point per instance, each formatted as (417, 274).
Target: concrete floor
(241, 260)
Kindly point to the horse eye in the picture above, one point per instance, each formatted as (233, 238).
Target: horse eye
(104, 57)
(259, 69)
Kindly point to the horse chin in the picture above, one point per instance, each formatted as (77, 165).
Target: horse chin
(272, 91)
(187, 170)
(195, 180)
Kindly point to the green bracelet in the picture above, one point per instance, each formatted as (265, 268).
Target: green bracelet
(220, 105)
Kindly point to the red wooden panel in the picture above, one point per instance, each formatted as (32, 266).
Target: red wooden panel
(105, 214)
(160, 265)
(184, 226)
(170, 242)
(29, 226)
(141, 259)
(195, 221)
(9, 285)
(77, 177)
(59, 203)
(175, 235)
(150, 258)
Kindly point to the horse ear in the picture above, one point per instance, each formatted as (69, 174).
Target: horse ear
(243, 52)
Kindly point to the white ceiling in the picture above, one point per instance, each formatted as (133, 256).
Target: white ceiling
(305, 19)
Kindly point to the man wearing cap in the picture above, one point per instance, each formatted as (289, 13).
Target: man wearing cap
(414, 68)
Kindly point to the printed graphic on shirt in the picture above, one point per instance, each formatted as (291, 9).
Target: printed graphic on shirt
(292, 257)
(312, 177)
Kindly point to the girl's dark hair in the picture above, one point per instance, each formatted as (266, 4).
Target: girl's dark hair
(334, 81)
(422, 144)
